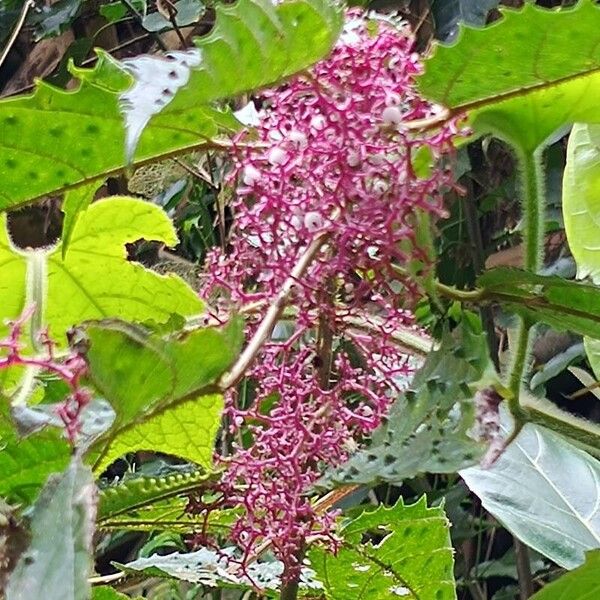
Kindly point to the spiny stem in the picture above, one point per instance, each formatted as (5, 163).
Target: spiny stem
(532, 202)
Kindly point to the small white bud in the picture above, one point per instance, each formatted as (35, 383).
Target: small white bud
(380, 187)
(318, 122)
(353, 159)
(277, 156)
(251, 175)
(313, 221)
(391, 115)
(297, 137)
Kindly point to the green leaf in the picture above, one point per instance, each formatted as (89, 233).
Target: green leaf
(95, 280)
(163, 381)
(581, 199)
(426, 430)
(126, 497)
(537, 88)
(107, 593)
(546, 492)
(26, 463)
(187, 430)
(55, 140)
(59, 560)
(581, 584)
(408, 554)
(562, 304)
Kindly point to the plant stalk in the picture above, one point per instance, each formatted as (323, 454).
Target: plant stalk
(533, 204)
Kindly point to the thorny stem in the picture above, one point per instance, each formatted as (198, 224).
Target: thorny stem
(532, 191)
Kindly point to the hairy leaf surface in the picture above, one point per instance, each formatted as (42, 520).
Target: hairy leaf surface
(58, 561)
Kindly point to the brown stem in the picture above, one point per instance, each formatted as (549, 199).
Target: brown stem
(523, 570)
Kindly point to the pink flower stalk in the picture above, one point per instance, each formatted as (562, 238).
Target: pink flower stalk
(335, 157)
(70, 369)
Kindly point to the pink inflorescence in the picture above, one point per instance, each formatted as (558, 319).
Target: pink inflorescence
(71, 369)
(333, 159)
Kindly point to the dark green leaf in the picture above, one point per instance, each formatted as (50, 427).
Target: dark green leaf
(427, 427)
(51, 20)
(126, 497)
(562, 304)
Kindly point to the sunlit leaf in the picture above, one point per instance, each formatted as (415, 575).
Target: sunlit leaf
(95, 280)
(55, 140)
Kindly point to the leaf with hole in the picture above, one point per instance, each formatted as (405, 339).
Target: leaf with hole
(95, 279)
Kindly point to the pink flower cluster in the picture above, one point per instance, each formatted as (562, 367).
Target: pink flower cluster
(71, 369)
(333, 160)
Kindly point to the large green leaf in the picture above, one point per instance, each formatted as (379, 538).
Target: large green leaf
(546, 492)
(59, 560)
(55, 140)
(426, 430)
(537, 87)
(582, 584)
(95, 280)
(408, 554)
(162, 381)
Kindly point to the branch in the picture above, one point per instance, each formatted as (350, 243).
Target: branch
(273, 314)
